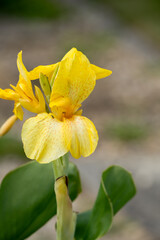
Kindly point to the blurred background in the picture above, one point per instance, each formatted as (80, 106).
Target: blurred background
(122, 36)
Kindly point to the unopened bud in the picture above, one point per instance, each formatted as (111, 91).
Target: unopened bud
(7, 125)
(45, 86)
(54, 76)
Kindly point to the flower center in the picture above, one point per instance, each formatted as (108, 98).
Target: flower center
(63, 108)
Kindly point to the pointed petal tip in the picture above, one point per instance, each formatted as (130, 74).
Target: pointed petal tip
(19, 55)
(100, 72)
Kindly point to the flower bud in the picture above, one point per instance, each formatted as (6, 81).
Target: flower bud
(7, 125)
(45, 86)
(54, 76)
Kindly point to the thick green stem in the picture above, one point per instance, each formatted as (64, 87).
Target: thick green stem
(66, 218)
(60, 166)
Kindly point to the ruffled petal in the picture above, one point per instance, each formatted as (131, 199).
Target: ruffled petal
(75, 78)
(100, 72)
(46, 70)
(84, 136)
(8, 94)
(45, 139)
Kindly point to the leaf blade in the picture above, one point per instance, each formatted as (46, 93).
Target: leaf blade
(116, 189)
(30, 190)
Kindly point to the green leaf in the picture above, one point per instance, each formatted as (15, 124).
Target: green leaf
(74, 185)
(116, 189)
(27, 199)
(119, 185)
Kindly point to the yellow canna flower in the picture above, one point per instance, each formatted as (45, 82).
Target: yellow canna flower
(49, 136)
(23, 94)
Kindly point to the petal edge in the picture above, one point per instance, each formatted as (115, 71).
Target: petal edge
(84, 136)
(45, 139)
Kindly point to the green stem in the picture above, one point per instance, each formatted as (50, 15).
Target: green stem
(60, 166)
(66, 218)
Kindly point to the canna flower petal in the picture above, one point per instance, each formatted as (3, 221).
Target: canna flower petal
(22, 69)
(84, 136)
(100, 72)
(41, 107)
(46, 70)
(23, 94)
(24, 88)
(8, 94)
(75, 78)
(27, 99)
(44, 138)
(18, 111)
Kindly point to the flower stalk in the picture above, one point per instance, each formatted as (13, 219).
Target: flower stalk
(66, 218)
(60, 166)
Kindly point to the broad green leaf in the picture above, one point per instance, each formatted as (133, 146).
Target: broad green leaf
(27, 199)
(119, 185)
(74, 185)
(116, 189)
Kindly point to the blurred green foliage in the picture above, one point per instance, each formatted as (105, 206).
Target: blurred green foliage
(144, 14)
(32, 8)
(126, 131)
(11, 146)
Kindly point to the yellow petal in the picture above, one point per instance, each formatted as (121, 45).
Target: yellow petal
(8, 94)
(28, 104)
(46, 70)
(84, 136)
(25, 90)
(31, 103)
(7, 125)
(34, 106)
(75, 78)
(22, 69)
(100, 72)
(18, 110)
(45, 139)
(42, 104)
